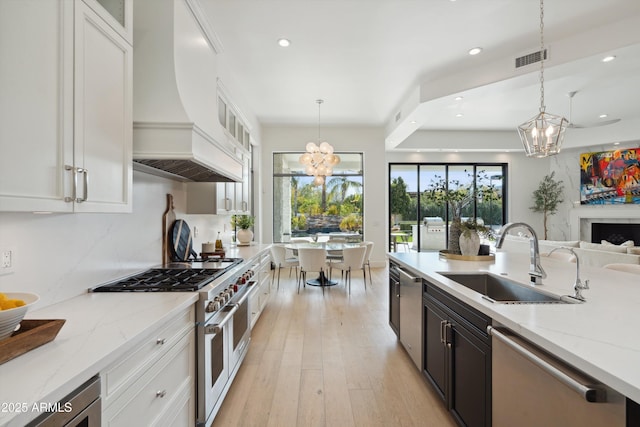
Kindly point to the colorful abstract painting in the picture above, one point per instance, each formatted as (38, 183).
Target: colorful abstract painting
(610, 177)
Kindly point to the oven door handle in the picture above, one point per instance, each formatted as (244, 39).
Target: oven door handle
(216, 328)
(244, 297)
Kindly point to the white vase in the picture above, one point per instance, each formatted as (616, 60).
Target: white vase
(469, 243)
(244, 237)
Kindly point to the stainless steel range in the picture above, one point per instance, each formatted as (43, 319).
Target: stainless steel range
(222, 318)
(173, 277)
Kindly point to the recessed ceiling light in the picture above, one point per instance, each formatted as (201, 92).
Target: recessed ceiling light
(459, 115)
(616, 143)
(475, 51)
(603, 116)
(284, 42)
(413, 122)
(608, 58)
(458, 98)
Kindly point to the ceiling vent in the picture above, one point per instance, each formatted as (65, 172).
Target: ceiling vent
(531, 58)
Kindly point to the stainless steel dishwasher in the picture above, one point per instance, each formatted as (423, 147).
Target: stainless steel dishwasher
(531, 388)
(411, 315)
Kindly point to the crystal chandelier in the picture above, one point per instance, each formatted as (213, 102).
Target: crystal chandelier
(542, 135)
(319, 159)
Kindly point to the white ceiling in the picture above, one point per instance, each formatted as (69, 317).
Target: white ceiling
(371, 60)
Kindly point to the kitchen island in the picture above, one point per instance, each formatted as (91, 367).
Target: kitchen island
(595, 337)
(100, 329)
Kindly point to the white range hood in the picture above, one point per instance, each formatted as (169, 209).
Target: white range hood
(175, 131)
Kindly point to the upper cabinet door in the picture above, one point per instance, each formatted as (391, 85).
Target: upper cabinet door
(117, 14)
(36, 105)
(103, 115)
(65, 109)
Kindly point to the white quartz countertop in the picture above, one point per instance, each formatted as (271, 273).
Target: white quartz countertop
(598, 337)
(99, 328)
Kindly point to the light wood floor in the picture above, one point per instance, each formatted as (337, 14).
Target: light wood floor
(329, 360)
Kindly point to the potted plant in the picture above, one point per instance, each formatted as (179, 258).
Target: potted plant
(243, 223)
(471, 231)
(547, 198)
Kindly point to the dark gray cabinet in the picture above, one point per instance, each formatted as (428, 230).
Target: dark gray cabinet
(457, 356)
(394, 298)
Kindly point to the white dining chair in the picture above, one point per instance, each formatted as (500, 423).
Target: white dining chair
(352, 259)
(311, 260)
(366, 263)
(301, 240)
(627, 268)
(280, 260)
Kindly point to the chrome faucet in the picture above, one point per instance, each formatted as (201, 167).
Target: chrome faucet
(536, 271)
(578, 286)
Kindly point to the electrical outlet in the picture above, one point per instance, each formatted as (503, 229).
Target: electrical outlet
(195, 231)
(6, 261)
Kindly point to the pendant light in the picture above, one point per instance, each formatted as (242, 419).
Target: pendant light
(542, 135)
(319, 159)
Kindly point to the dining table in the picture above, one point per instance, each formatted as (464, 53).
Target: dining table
(333, 248)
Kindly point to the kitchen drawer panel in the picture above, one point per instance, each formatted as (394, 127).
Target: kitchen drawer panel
(156, 391)
(181, 411)
(126, 370)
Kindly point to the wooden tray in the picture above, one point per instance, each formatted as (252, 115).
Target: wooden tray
(32, 334)
(446, 254)
(219, 253)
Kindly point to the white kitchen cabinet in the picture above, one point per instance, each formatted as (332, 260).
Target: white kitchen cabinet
(260, 295)
(207, 198)
(243, 189)
(154, 384)
(65, 113)
(116, 13)
(221, 198)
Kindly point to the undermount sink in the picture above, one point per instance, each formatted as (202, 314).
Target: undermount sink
(505, 291)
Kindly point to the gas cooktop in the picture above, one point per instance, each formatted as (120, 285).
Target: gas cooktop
(174, 277)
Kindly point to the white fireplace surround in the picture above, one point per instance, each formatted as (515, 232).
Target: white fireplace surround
(583, 216)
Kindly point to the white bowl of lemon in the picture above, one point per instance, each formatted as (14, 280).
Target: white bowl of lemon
(13, 307)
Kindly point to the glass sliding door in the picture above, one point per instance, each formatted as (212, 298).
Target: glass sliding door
(403, 206)
(432, 229)
(419, 222)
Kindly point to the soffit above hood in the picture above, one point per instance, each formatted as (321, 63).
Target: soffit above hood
(175, 131)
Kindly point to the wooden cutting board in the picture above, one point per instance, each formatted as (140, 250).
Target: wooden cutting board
(168, 218)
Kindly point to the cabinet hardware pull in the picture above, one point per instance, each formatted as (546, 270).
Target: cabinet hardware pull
(75, 183)
(590, 393)
(161, 393)
(161, 341)
(85, 190)
(442, 327)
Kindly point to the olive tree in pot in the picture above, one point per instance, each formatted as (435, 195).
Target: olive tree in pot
(457, 195)
(547, 198)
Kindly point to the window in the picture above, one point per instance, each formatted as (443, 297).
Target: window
(302, 209)
(421, 222)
